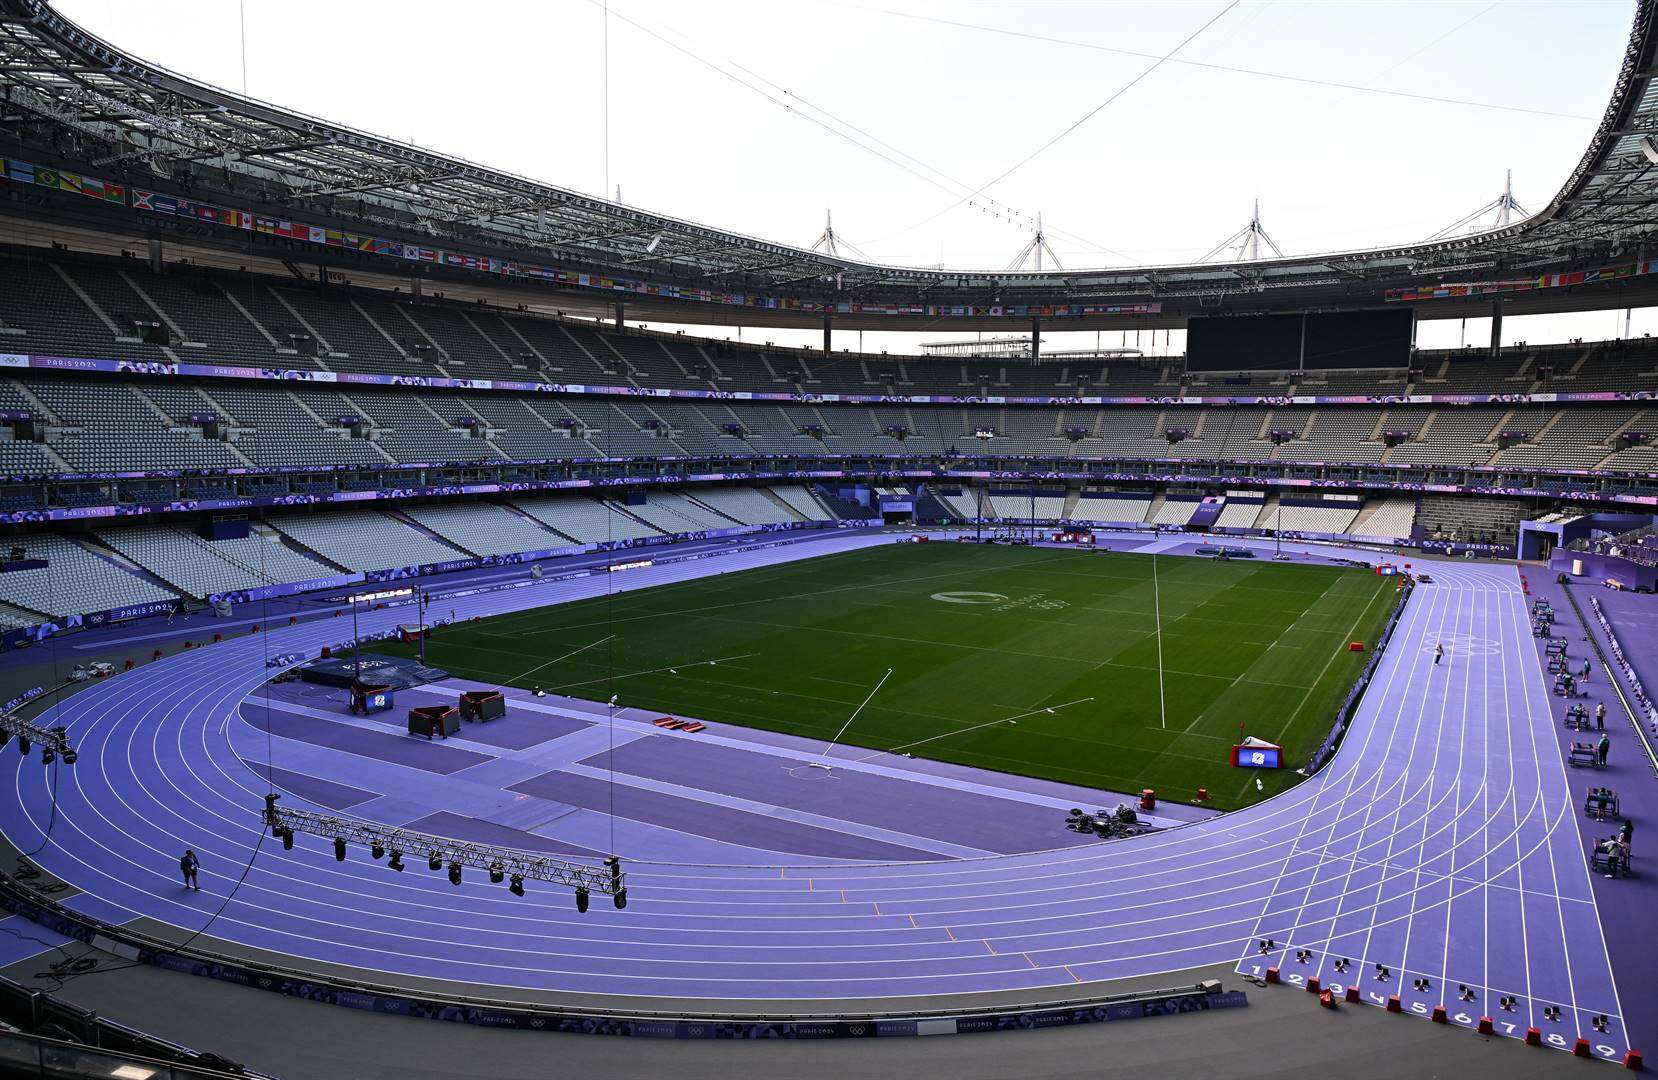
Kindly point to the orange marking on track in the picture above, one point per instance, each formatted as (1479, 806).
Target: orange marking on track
(952, 933)
(810, 885)
(843, 896)
(1071, 973)
(914, 923)
(1028, 960)
(876, 906)
(988, 946)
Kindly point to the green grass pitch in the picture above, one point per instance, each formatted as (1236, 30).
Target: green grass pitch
(974, 635)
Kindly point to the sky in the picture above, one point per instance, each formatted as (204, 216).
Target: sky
(937, 130)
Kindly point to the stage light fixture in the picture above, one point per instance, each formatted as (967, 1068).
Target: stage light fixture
(454, 873)
(496, 874)
(621, 898)
(378, 851)
(23, 745)
(69, 756)
(581, 899)
(339, 849)
(47, 755)
(5, 737)
(396, 861)
(287, 839)
(433, 862)
(516, 885)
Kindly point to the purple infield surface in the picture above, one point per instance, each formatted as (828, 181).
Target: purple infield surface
(1437, 858)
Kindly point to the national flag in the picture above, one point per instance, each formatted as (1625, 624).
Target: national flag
(21, 171)
(142, 200)
(316, 234)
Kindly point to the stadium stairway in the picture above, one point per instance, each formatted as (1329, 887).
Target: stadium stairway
(1153, 507)
(781, 503)
(617, 508)
(430, 534)
(713, 510)
(115, 558)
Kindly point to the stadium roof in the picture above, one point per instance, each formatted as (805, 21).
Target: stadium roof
(100, 108)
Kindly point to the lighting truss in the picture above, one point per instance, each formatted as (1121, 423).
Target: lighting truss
(497, 861)
(62, 86)
(53, 741)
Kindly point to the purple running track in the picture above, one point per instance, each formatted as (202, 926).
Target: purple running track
(1439, 844)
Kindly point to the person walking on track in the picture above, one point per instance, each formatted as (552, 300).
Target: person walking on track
(189, 865)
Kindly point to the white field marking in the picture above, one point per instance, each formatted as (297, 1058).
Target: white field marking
(842, 682)
(652, 671)
(867, 699)
(1157, 621)
(556, 659)
(1325, 670)
(1276, 642)
(958, 573)
(975, 727)
(1093, 664)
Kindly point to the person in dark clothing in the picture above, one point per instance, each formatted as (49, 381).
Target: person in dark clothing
(1438, 653)
(189, 865)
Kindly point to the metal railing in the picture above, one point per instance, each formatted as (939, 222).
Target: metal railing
(23, 1055)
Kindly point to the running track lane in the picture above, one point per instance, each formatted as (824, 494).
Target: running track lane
(1437, 844)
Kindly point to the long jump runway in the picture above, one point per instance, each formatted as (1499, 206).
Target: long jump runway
(1436, 858)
